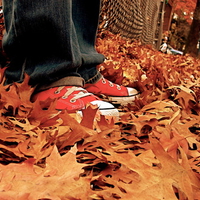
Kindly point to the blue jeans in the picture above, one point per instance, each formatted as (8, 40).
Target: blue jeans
(51, 40)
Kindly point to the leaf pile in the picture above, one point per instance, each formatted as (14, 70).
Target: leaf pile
(158, 76)
(152, 152)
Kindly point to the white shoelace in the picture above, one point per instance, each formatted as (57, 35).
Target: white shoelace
(111, 84)
(81, 94)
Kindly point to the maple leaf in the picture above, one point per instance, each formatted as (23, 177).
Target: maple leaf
(89, 116)
(24, 90)
(10, 98)
(43, 115)
(27, 181)
(190, 183)
(158, 186)
(184, 95)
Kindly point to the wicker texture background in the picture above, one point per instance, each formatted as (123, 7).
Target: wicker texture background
(135, 19)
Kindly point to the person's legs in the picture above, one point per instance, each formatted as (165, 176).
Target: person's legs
(50, 40)
(88, 12)
(54, 43)
(86, 18)
(44, 40)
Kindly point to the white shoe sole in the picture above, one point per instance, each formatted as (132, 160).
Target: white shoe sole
(122, 100)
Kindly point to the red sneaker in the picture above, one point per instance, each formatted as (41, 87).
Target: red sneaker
(74, 99)
(111, 92)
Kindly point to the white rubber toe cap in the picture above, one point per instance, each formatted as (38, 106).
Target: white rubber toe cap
(132, 91)
(106, 108)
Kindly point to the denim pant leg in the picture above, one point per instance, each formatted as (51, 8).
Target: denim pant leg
(50, 39)
(87, 37)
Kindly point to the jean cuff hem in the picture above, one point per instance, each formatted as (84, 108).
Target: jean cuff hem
(66, 81)
(95, 78)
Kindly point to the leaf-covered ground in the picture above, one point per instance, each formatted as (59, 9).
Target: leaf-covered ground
(151, 153)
